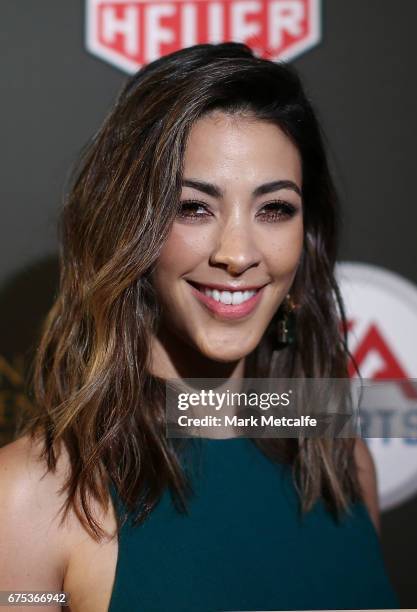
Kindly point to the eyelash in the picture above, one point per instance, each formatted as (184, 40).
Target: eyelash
(278, 210)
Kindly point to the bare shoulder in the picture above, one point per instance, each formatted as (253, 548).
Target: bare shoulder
(40, 551)
(33, 554)
(367, 480)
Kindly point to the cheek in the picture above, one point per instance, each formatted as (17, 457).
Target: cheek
(283, 249)
(181, 253)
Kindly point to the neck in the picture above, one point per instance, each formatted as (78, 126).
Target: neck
(172, 358)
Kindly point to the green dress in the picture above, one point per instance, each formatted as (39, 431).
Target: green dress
(244, 546)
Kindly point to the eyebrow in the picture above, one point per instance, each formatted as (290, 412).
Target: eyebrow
(215, 191)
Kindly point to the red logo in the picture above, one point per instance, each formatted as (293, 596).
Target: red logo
(381, 323)
(373, 350)
(381, 309)
(131, 34)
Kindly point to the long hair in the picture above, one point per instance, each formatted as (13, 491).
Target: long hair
(91, 376)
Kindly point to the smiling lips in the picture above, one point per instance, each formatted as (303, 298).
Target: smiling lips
(229, 303)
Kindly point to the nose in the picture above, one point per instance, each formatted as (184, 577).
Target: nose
(236, 249)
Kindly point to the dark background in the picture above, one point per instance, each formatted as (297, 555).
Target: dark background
(54, 95)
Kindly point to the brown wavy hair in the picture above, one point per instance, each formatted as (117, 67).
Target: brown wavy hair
(91, 376)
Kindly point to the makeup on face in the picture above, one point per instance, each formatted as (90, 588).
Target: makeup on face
(226, 301)
(235, 245)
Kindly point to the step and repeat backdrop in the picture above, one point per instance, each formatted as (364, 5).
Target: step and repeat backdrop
(62, 66)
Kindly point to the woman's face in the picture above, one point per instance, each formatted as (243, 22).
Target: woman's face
(235, 245)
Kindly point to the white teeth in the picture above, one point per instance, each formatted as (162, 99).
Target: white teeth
(226, 297)
(229, 297)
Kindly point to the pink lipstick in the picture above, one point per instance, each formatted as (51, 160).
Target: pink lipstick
(228, 311)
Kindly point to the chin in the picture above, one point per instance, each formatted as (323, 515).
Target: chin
(226, 355)
(226, 347)
(227, 358)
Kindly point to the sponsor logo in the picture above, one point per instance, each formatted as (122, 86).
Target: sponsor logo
(381, 309)
(129, 34)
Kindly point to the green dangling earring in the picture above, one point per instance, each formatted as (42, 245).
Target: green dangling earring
(287, 322)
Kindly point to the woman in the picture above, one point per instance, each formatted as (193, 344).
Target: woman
(201, 222)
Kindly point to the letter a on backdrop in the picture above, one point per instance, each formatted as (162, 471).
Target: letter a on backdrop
(129, 34)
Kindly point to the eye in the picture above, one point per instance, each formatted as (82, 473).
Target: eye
(278, 210)
(192, 209)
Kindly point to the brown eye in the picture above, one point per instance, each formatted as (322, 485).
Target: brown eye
(192, 209)
(277, 211)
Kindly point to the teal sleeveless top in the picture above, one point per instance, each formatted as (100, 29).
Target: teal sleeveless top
(245, 546)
